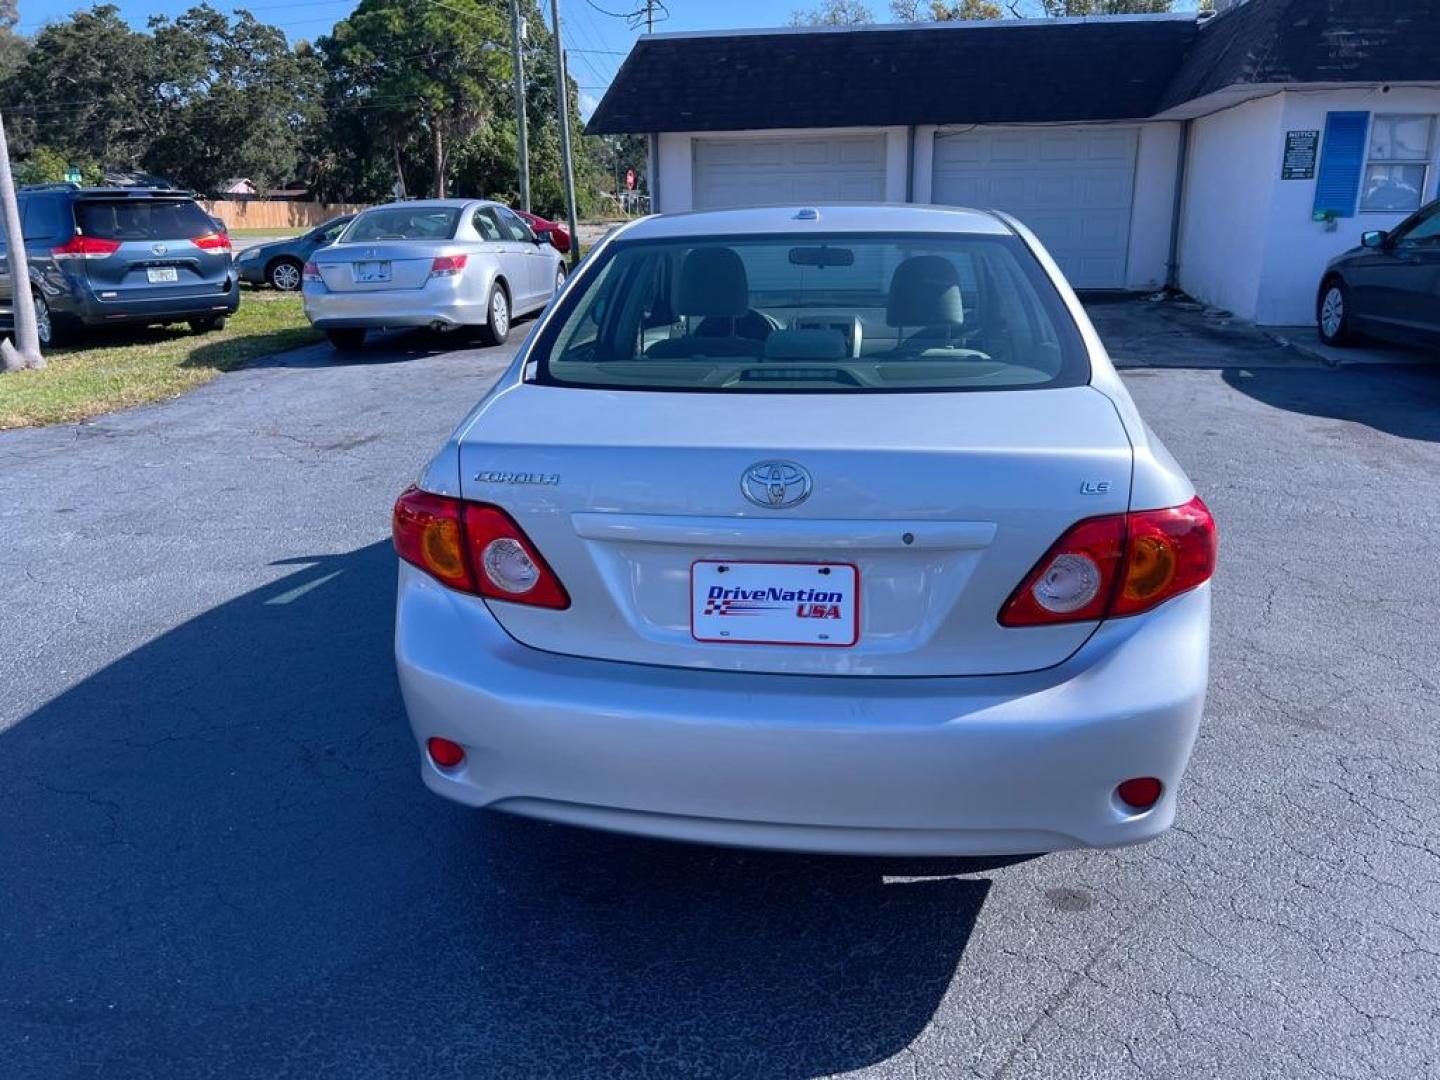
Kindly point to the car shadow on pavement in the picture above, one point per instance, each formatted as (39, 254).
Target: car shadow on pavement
(219, 859)
(1400, 400)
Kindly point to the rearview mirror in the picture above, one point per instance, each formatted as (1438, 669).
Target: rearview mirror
(822, 256)
(1374, 239)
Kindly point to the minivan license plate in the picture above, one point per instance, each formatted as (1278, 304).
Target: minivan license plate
(158, 275)
(760, 603)
(369, 272)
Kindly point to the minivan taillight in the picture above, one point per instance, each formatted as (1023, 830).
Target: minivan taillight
(475, 548)
(215, 241)
(1117, 565)
(85, 247)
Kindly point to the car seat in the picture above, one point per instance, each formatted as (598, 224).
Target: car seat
(712, 286)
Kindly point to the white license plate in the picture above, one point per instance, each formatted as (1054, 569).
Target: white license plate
(760, 603)
(158, 275)
(368, 272)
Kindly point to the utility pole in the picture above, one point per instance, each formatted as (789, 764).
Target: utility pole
(562, 93)
(24, 352)
(517, 33)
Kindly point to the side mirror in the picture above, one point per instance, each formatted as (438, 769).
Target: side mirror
(539, 238)
(1376, 238)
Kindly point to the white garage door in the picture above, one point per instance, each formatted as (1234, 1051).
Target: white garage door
(1072, 186)
(762, 172)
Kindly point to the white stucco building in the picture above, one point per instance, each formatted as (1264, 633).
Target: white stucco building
(1230, 157)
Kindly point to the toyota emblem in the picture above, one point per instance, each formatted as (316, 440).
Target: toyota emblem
(775, 485)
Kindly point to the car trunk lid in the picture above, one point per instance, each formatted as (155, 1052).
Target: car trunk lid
(378, 267)
(941, 502)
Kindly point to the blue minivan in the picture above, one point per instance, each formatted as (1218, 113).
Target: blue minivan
(120, 255)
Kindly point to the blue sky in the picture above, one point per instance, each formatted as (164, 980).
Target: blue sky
(597, 41)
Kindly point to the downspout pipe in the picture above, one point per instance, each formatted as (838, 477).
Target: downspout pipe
(1182, 162)
(910, 164)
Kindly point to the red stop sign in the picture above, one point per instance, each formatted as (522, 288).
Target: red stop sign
(629, 179)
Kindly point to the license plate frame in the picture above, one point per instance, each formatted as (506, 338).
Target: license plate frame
(371, 272)
(800, 604)
(162, 275)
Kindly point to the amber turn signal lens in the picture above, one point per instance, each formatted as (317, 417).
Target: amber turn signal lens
(1151, 568)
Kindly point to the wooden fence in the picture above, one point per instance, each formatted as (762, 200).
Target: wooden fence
(280, 216)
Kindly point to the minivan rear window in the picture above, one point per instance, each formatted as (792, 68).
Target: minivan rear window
(403, 223)
(830, 313)
(142, 219)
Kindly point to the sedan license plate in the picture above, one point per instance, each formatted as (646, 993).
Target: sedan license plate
(158, 275)
(760, 603)
(369, 272)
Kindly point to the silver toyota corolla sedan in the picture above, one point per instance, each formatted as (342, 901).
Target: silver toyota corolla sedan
(817, 528)
(442, 263)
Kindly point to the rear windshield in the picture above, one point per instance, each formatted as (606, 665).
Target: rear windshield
(403, 223)
(142, 219)
(869, 313)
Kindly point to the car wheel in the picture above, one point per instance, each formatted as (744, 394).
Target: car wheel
(346, 341)
(1334, 313)
(208, 324)
(285, 275)
(497, 326)
(44, 324)
(559, 279)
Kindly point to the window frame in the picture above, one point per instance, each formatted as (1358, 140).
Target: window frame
(1078, 366)
(1426, 163)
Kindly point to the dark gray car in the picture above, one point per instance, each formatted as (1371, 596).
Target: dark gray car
(1388, 287)
(120, 255)
(281, 263)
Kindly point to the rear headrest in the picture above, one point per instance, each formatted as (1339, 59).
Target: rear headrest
(925, 291)
(712, 282)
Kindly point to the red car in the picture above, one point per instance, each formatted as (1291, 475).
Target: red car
(549, 230)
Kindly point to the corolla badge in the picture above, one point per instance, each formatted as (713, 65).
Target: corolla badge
(775, 485)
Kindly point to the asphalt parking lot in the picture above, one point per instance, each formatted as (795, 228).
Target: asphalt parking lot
(216, 857)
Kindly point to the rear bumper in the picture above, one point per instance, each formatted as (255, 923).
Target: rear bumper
(435, 303)
(963, 766)
(82, 303)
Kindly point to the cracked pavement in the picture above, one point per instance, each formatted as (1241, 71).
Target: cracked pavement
(217, 859)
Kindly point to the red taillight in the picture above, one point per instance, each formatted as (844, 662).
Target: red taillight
(444, 753)
(215, 241)
(85, 247)
(1118, 565)
(475, 548)
(447, 265)
(1140, 792)
(311, 272)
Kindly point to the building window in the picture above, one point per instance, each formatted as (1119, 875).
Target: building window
(1398, 164)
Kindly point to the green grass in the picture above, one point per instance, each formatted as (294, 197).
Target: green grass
(114, 368)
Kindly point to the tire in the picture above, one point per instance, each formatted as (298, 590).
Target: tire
(346, 341)
(208, 324)
(51, 329)
(497, 325)
(1332, 314)
(285, 275)
(559, 280)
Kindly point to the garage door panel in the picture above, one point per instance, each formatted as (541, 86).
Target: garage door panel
(752, 172)
(1073, 187)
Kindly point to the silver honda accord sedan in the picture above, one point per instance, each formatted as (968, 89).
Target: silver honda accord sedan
(828, 528)
(442, 263)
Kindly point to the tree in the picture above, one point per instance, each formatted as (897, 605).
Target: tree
(12, 46)
(1072, 8)
(237, 100)
(86, 90)
(833, 13)
(426, 72)
(940, 11)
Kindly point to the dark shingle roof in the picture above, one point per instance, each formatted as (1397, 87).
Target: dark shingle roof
(1312, 41)
(1100, 70)
(1011, 72)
